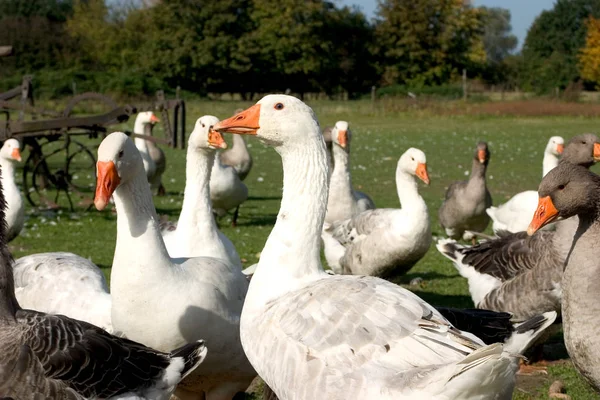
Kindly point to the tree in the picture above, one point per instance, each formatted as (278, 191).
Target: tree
(497, 38)
(550, 52)
(589, 56)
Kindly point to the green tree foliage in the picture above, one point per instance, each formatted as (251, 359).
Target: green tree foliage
(35, 29)
(550, 52)
(427, 41)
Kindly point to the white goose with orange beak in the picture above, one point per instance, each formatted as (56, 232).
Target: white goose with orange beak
(167, 302)
(344, 202)
(10, 154)
(385, 242)
(311, 335)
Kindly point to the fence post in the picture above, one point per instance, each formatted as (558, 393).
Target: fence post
(464, 83)
(74, 87)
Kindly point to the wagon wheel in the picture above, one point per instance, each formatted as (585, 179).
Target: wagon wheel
(61, 165)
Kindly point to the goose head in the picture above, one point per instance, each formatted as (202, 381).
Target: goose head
(555, 146)
(280, 121)
(204, 136)
(146, 117)
(482, 154)
(582, 150)
(414, 162)
(119, 161)
(341, 135)
(565, 191)
(11, 150)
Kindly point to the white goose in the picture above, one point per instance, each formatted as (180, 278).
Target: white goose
(164, 302)
(63, 283)
(515, 215)
(227, 191)
(197, 233)
(141, 121)
(311, 335)
(15, 208)
(344, 202)
(385, 242)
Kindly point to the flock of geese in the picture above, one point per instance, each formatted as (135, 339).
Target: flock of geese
(183, 321)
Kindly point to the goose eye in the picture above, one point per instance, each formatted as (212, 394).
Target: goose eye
(279, 106)
(561, 187)
(121, 154)
(203, 125)
(412, 158)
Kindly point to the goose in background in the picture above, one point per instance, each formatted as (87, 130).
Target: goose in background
(63, 283)
(10, 153)
(142, 126)
(313, 335)
(517, 273)
(344, 202)
(385, 242)
(566, 191)
(56, 357)
(515, 215)
(167, 302)
(238, 156)
(463, 209)
(196, 233)
(227, 191)
(158, 156)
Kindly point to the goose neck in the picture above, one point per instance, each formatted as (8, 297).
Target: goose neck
(292, 250)
(407, 187)
(340, 177)
(549, 162)
(8, 302)
(138, 234)
(140, 129)
(239, 146)
(196, 211)
(478, 170)
(8, 169)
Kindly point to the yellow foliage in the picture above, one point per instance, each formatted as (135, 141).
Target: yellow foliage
(589, 56)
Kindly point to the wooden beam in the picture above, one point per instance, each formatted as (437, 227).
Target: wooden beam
(5, 51)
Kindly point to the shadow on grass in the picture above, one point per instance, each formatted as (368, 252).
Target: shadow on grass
(264, 198)
(262, 220)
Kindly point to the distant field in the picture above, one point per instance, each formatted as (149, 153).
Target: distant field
(380, 136)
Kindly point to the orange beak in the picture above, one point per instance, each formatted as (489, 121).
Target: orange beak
(154, 119)
(215, 139)
(560, 148)
(244, 123)
(544, 214)
(107, 181)
(421, 172)
(16, 154)
(596, 151)
(481, 156)
(343, 138)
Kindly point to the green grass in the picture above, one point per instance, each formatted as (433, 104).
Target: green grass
(379, 138)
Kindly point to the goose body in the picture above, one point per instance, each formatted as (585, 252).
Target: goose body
(566, 191)
(227, 191)
(63, 283)
(196, 233)
(464, 207)
(343, 201)
(56, 357)
(158, 156)
(167, 302)
(238, 157)
(313, 335)
(384, 242)
(517, 273)
(515, 214)
(10, 153)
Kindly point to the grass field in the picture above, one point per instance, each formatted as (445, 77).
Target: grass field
(379, 138)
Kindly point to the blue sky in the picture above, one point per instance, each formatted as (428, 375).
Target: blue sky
(523, 12)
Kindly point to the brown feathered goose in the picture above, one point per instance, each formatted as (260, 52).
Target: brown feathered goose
(56, 357)
(566, 191)
(464, 208)
(518, 273)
